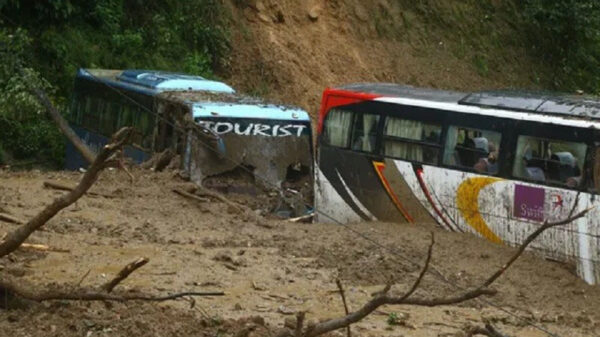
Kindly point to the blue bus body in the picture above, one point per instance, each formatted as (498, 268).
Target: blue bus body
(242, 131)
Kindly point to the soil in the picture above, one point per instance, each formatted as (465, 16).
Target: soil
(290, 50)
(267, 271)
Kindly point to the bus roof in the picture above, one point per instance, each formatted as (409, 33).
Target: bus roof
(153, 82)
(210, 104)
(531, 102)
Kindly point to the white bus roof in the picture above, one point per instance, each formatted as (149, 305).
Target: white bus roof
(574, 110)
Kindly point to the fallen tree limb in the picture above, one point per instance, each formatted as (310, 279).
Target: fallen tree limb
(62, 124)
(190, 196)
(17, 289)
(10, 219)
(124, 273)
(63, 187)
(44, 248)
(105, 158)
(302, 218)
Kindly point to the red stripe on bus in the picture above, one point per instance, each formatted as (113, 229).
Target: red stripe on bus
(335, 97)
(379, 167)
(430, 199)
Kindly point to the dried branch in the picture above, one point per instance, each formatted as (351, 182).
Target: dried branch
(190, 196)
(63, 187)
(62, 124)
(343, 295)
(15, 287)
(18, 236)
(299, 323)
(528, 240)
(382, 298)
(10, 219)
(124, 273)
(43, 248)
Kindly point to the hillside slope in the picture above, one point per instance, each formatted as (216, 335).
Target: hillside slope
(291, 50)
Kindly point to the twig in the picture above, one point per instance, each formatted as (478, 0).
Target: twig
(43, 248)
(343, 295)
(423, 270)
(84, 277)
(16, 288)
(59, 186)
(11, 219)
(190, 196)
(301, 218)
(124, 273)
(299, 323)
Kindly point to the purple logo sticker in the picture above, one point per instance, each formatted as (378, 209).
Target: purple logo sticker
(529, 203)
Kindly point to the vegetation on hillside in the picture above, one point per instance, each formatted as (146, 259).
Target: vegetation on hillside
(57, 37)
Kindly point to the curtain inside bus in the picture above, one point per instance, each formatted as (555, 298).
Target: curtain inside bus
(338, 127)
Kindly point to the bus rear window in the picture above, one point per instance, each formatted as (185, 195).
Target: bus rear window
(549, 161)
(337, 128)
(412, 140)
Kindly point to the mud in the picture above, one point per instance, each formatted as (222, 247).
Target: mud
(268, 272)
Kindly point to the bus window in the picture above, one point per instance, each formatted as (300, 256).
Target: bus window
(549, 161)
(337, 128)
(364, 132)
(472, 149)
(90, 115)
(412, 140)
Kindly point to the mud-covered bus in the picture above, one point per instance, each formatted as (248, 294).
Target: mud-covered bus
(495, 164)
(213, 129)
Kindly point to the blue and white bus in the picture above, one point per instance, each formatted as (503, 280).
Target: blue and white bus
(214, 129)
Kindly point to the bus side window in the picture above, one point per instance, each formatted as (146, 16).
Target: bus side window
(596, 171)
(364, 132)
(146, 128)
(412, 140)
(337, 128)
(472, 149)
(550, 161)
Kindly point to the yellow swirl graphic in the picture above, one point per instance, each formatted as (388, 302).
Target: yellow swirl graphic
(467, 200)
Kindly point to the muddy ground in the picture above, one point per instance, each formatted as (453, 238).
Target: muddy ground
(268, 272)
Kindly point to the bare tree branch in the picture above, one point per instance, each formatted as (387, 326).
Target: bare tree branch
(124, 273)
(62, 124)
(343, 295)
(10, 219)
(382, 297)
(528, 240)
(17, 289)
(63, 187)
(18, 236)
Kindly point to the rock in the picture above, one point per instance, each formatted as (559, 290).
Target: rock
(259, 6)
(223, 257)
(289, 322)
(285, 310)
(237, 307)
(263, 17)
(258, 320)
(313, 13)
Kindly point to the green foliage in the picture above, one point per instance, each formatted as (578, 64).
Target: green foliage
(25, 131)
(189, 36)
(566, 34)
(392, 318)
(58, 37)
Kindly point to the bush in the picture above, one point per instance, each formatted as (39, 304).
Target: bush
(57, 37)
(566, 34)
